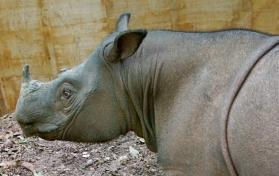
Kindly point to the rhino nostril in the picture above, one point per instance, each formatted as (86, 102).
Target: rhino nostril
(28, 124)
(24, 123)
(22, 120)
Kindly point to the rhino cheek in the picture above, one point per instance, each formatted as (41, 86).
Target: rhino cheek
(95, 123)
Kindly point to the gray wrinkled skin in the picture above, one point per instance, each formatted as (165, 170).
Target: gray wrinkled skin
(208, 103)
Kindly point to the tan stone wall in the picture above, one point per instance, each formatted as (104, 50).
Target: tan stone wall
(53, 34)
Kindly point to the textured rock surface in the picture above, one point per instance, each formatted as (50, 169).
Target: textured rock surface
(50, 35)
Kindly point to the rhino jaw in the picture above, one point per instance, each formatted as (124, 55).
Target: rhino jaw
(47, 128)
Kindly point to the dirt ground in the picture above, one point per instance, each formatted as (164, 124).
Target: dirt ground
(124, 156)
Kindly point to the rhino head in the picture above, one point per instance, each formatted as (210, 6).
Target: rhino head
(82, 103)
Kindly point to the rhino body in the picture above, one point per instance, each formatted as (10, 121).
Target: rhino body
(208, 103)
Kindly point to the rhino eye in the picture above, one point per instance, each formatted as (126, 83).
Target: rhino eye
(67, 93)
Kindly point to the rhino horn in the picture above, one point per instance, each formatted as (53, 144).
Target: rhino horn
(26, 77)
(122, 23)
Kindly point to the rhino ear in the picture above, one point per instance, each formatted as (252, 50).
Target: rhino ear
(124, 45)
(122, 23)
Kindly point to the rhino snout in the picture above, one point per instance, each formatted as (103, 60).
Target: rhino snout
(28, 130)
(22, 120)
(26, 126)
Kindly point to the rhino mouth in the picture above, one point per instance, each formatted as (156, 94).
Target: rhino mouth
(45, 131)
(28, 130)
(49, 132)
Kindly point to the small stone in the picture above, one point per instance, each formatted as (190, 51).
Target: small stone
(85, 155)
(8, 144)
(114, 167)
(123, 159)
(111, 148)
(17, 134)
(134, 153)
(14, 149)
(89, 163)
(6, 150)
(107, 158)
(142, 141)
(153, 170)
(92, 169)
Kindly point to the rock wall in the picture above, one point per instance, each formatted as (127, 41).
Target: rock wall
(54, 34)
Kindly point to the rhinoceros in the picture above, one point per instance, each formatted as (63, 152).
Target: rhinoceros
(207, 102)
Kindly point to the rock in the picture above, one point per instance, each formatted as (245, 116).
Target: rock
(107, 158)
(8, 143)
(85, 155)
(133, 152)
(88, 163)
(123, 159)
(142, 141)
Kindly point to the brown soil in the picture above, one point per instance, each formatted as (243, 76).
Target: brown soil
(126, 155)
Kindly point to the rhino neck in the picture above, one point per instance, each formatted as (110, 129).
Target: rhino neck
(138, 79)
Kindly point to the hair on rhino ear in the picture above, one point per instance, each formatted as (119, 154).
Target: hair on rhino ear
(123, 21)
(124, 45)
